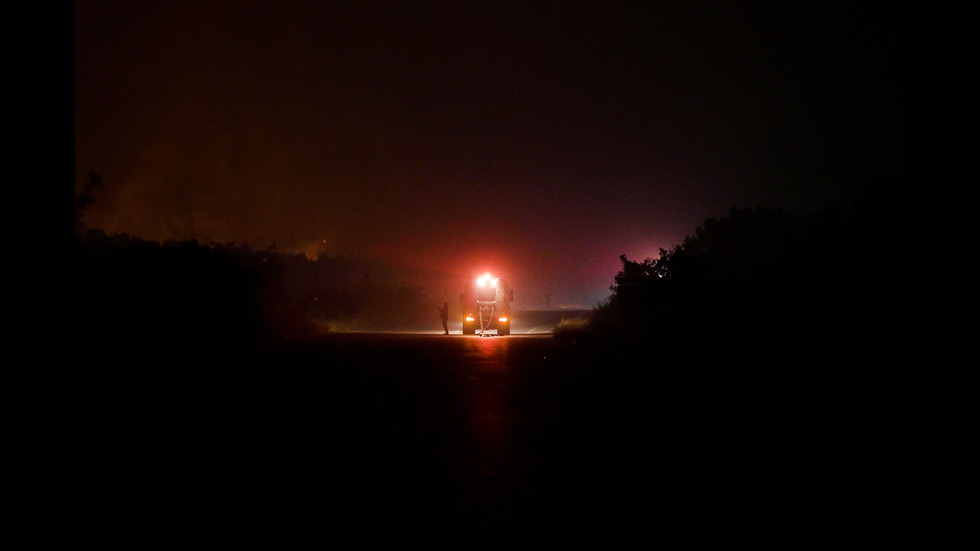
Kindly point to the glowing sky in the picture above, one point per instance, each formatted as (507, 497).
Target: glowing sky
(538, 139)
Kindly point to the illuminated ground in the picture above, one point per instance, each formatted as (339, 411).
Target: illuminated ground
(534, 322)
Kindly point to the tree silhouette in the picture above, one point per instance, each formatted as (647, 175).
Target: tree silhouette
(754, 272)
(86, 198)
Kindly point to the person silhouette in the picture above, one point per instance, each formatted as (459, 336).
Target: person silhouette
(444, 314)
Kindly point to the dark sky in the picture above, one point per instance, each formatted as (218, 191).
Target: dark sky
(537, 139)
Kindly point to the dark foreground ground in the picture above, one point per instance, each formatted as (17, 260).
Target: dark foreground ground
(347, 441)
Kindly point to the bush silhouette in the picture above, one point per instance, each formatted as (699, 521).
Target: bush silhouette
(758, 279)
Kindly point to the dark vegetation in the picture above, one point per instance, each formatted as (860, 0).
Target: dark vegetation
(132, 289)
(213, 291)
(759, 276)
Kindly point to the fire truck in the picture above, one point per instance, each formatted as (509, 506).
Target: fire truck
(486, 305)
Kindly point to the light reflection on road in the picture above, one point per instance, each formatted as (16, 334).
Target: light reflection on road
(487, 414)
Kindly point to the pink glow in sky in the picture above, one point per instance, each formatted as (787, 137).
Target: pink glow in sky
(541, 140)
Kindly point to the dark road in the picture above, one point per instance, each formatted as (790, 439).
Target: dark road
(459, 442)
(385, 438)
(449, 432)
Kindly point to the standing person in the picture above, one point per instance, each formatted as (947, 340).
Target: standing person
(444, 314)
